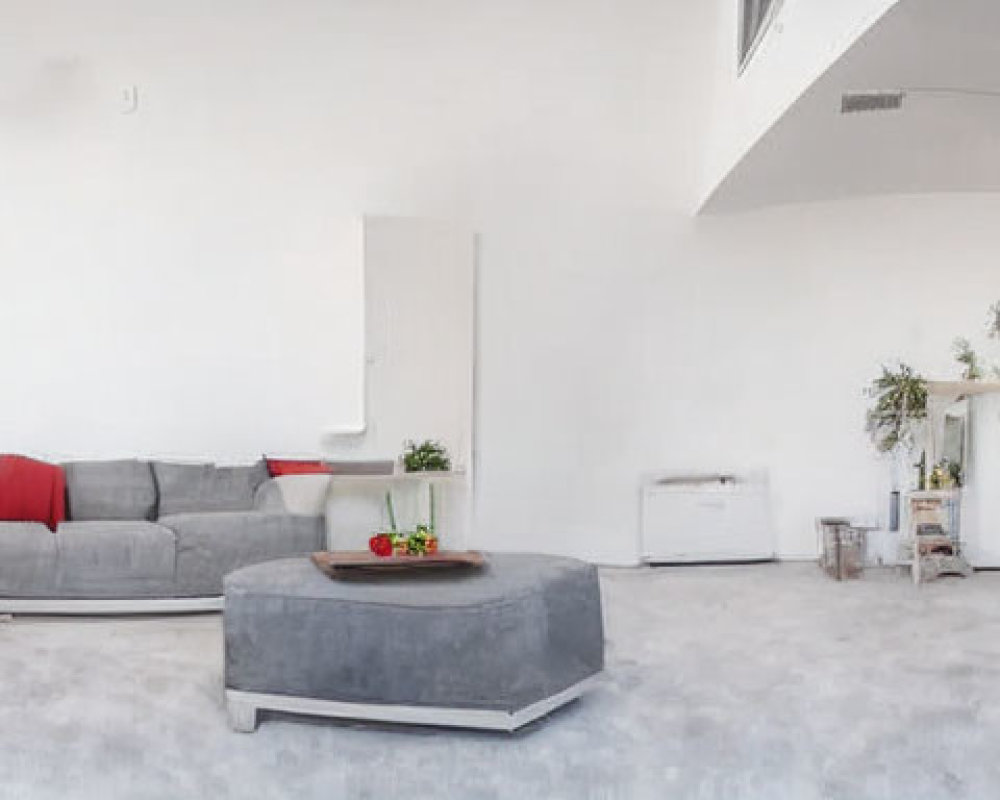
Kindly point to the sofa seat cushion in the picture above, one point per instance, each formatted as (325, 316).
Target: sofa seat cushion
(110, 558)
(209, 546)
(27, 559)
(110, 490)
(199, 488)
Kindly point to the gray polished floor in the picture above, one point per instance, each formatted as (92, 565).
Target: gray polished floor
(745, 682)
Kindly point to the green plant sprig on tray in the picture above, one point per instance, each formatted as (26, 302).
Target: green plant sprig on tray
(420, 542)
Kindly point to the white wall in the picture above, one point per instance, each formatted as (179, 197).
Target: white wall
(617, 334)
(742, 342)
(173, 282)
(807, 37)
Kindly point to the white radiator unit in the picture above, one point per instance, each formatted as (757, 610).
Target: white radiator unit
(705, 518)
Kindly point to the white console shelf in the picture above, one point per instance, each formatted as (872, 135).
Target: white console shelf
(404, 477)
(356, 506)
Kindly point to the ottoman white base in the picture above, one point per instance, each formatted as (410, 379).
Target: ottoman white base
(243, 708)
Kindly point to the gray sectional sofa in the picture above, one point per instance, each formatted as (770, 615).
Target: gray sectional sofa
(149, 536)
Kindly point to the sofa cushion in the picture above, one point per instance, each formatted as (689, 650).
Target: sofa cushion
(211, 545)
(110, 490)
(304, 494)
(276, 467)
(113, 558)
(268, 498)
(198, 488)
(27, 559)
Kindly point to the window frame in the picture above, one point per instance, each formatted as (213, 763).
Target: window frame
(745, 56)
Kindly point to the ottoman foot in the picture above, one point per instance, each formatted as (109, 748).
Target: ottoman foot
(242, 713)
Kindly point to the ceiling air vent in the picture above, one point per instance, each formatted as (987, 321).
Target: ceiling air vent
(862, 102)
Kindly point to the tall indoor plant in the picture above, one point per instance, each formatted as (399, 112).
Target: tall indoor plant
(899, 409)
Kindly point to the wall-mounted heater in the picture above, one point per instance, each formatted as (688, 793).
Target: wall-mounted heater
(706, 518)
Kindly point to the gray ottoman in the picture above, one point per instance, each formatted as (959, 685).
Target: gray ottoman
(490, 648)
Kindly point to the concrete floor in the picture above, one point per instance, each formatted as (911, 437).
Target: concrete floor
(727, 682)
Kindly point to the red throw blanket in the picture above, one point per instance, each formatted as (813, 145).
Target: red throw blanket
(31, 491)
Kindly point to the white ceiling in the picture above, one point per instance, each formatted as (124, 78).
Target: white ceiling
(936, 143)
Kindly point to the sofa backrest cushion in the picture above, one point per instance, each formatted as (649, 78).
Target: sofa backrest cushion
(197, 488)
(305, 495)
(268, 498)
(110, 490)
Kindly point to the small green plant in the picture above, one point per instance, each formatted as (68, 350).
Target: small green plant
(421, 541)
(428, 456)
(900, 398)
(954, 472)
(966, 356)
(946, 475)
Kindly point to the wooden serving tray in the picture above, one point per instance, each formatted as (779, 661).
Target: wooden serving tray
(335, 564)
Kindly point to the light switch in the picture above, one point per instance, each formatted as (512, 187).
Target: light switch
(130, 99)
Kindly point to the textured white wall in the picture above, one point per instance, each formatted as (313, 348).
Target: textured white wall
(173, 282)
(761, 344)
(617, 334)
(739, 342)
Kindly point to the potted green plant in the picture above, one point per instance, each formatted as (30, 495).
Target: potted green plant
(900, 405)
(945, 475)
(968, 358)
(428, 456)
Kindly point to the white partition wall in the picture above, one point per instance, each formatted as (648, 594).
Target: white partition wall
(419, 335)
(981, 501)
(419, 375)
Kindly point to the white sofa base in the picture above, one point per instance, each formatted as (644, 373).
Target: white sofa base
(108, 607)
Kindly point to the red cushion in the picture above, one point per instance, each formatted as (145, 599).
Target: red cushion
(32, 491)
(286, 466)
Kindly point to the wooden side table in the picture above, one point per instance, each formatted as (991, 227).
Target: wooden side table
(934, 534)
